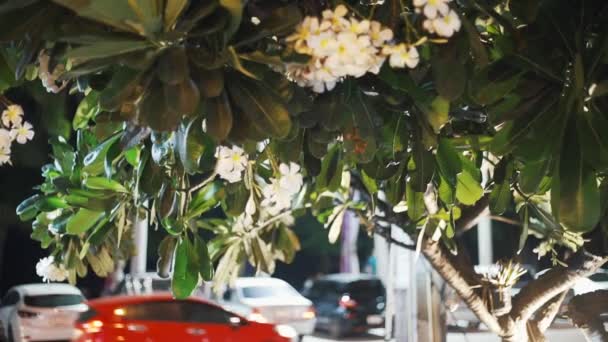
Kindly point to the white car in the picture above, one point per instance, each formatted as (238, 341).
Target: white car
(40, 312)
(270, 300)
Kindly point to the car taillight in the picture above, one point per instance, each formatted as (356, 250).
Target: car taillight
(309, 313)
(347, 302)
(256, 316)
(27, 314)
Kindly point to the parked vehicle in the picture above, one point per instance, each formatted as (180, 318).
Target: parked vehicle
(147, 283)
(347, 303)
(40, 312)
(159, 317)
(271, 300)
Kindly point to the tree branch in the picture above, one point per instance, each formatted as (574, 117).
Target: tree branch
(385, 233)
(472, 214)
(546, 314)
(559, 279)
(584, 311)
(452, 272)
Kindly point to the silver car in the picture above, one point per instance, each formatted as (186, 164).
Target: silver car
(270, 300)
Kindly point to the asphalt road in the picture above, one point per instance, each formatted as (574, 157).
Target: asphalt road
(554, 335)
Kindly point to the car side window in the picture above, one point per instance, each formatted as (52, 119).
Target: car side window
(11, 298)
(228, 295)
(164, 311)
(194, 312)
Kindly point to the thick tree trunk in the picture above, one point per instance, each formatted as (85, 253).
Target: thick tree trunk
(585, 310)
(460, 279)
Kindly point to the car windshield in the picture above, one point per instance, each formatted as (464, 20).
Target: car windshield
(49, 301)
(260, 291)
(365, 289)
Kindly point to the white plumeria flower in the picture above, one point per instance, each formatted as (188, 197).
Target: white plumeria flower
(447, 25)
(323, 44)
(402, 55)
(5, 155)
(432, 8)
(336, 17)
(49, 271)
(22, 133)
(358, 27)
(6, 138)
(379, 35)
(231, 162)
(291, 177)
(13, 114)
(276, 198)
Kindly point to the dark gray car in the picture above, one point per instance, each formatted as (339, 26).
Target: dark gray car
(347, 303)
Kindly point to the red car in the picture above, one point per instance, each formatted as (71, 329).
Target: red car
(159, 317)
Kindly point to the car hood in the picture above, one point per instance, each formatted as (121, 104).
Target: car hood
(276, 301)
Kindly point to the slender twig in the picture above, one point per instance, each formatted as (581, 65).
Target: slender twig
(203, 183)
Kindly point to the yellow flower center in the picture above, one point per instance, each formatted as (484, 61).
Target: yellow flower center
(433, 2)
(236, 157)
(324, 42)
(342, 49)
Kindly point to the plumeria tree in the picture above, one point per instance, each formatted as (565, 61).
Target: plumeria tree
(433, 111)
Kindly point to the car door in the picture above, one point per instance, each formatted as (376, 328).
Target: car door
(208, 321)
(153, 321)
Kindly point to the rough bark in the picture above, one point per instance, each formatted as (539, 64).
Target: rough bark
(585, 310)
(546, 314)
(446, 265)
(559, 279)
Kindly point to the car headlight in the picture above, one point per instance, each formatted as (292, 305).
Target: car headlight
(286, 331)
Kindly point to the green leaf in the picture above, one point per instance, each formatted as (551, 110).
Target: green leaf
(101, 183)
(28, 208)
(331, 170)
(264, 108)
(438, 114)
(219, 119)
(448, 161)
(485, 91)
(83, 220)
(592, 128)
(193, 146)
(87, 110)
(370, 184)
(106, 49)
(116, 13)
(235, 8)
(579, 198)
(421, 167)
(204, 200)
(173, 8)
(500, 198)
(185, 269)
(166, 251)
(531, 176)
(94, 160)
(468, 189)
(119, 89)
(415, 203)
(335, 223)
(449, 74)
(206, 265)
